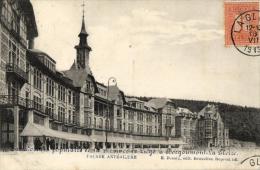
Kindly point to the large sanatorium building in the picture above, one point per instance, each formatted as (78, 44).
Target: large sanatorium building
(73, 110)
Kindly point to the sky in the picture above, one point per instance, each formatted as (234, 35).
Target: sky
(158, 48)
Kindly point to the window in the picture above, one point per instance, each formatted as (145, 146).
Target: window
(149, 130)
(37, 103)
(119, 124)
(130, 127)
(73, 98)
(37, 79)
(96, 111)
(139, 128)
(69, 97)
(208, 128)
(131, 115)
(100, 126)
(49, 87)
(61, 93)
(95, 122)
(149, 118)
(13, 52)
(13, 88)
(70, 117)
(61, 114)
(100, 109)
(74, 117)
(88, 87)
(50, 109)
(140, 116)
(119, 112)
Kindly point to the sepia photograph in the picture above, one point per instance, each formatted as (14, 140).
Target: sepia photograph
(129, 84)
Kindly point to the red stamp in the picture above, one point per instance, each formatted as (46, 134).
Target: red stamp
(242, 26)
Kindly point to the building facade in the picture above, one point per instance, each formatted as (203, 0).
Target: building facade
(212, 130)
(42, 108)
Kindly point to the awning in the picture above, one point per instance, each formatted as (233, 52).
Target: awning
(98, 138)
(32, 129)
(157, 142)
(120, 140)
(114, 139)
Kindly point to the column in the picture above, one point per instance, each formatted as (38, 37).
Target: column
(103, 145)
(112, 145)
(92, 146)
(68, 144)
(130, 146)
(59, 144)
(124, 145)
(46, 122)
(30, 143)
(16, 127)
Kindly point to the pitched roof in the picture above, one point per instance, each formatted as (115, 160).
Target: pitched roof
(183, 110)
(159, 102)
(79, 76)
(211, 110)
(132, 99)
(150, 105)
(38, 53)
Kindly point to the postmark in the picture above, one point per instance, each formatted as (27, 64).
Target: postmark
(241, 26)
(252, 161)
(245, 33)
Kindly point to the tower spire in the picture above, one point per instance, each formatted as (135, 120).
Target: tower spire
(83, 49)
(83, 28)
(83, 8)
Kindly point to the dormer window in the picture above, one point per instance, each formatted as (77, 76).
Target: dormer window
(88, 87)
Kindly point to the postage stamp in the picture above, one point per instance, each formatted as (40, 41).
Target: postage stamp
(129, 84)
(242, 26)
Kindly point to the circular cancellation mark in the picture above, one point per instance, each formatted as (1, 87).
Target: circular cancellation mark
(245, 33)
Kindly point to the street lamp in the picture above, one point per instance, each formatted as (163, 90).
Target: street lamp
(113, 79)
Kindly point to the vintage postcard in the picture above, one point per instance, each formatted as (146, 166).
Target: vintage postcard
(129, 84)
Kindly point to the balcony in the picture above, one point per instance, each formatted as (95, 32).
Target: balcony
(17, 72)
(12, 100)
(38, 107)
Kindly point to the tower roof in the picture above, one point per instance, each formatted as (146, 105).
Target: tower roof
(83, 28)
